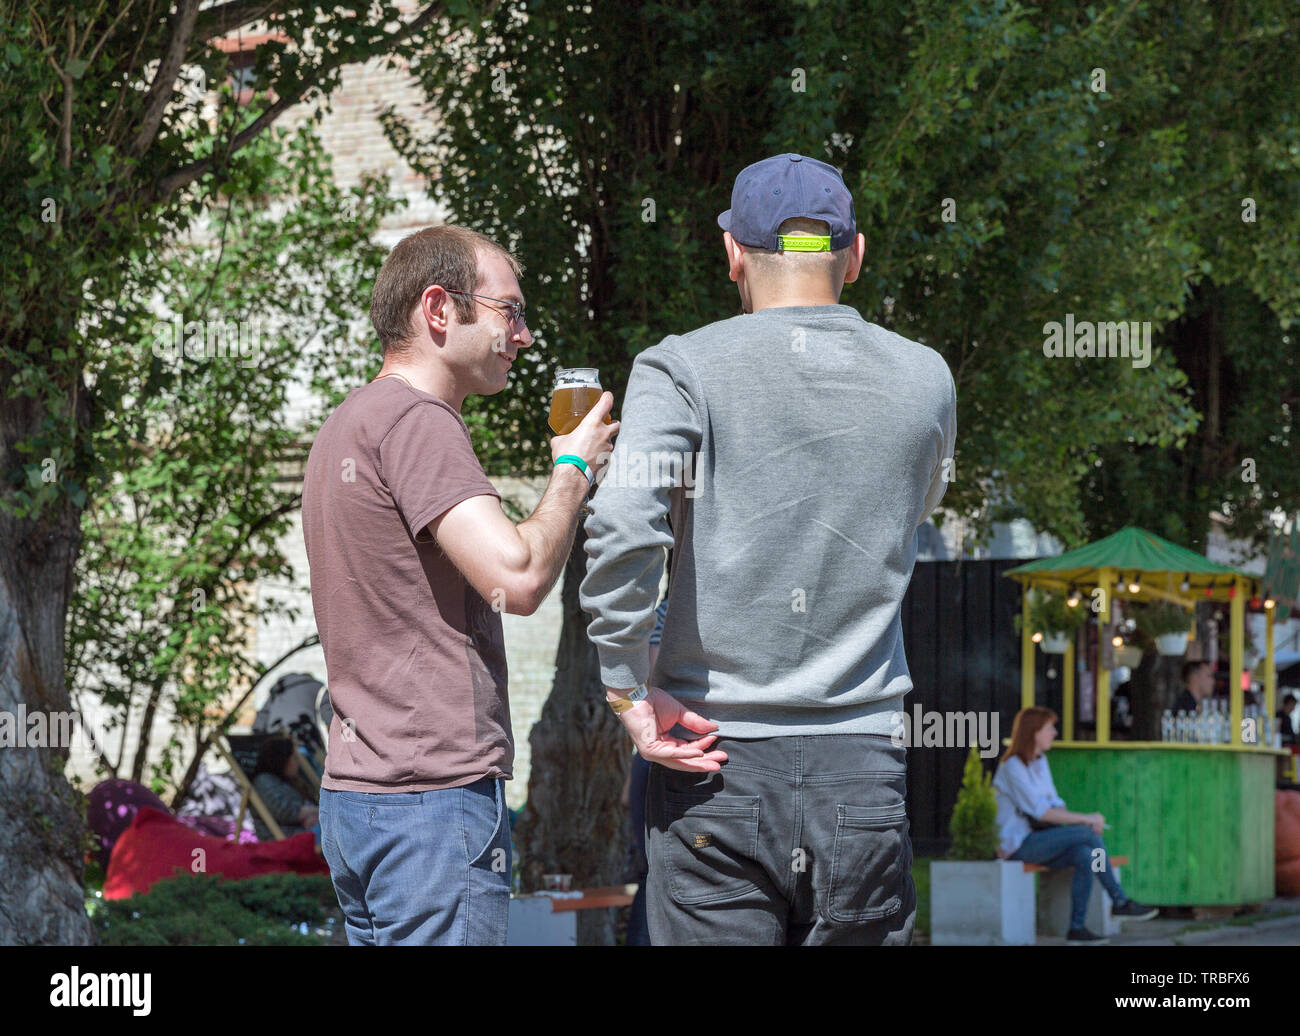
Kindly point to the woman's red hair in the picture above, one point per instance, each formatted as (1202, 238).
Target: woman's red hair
(1024, 728)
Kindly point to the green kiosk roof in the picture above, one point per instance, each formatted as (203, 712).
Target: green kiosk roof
(1127, 551)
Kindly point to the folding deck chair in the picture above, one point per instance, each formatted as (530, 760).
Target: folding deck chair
(240, 753)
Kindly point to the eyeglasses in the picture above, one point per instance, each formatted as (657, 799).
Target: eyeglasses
(516, 309)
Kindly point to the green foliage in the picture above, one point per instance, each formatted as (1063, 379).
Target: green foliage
(1068, 201)
(921, 880)
(974, 831)
(1244, 371)
(1051, 613)
(561, 121)
(136, 190)
(600, 142)
(104, 164)
(93, 878)
(203, 910)
(174, 546)
(1160, 617)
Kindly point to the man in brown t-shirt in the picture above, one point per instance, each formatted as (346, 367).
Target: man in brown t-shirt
(412, 561)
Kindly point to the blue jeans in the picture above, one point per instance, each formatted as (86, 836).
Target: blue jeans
(422, 868)
(1073, 845)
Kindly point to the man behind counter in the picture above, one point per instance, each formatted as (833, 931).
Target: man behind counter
(1198, 684)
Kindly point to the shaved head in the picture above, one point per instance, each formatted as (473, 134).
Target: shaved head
(771, 269)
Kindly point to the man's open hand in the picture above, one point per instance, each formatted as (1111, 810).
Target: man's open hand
(648, 722)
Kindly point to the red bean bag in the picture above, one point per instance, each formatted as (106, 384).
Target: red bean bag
(156, 844)
(1286, 818)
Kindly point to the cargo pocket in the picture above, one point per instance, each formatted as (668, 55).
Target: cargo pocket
(869, 867)
(710, 848)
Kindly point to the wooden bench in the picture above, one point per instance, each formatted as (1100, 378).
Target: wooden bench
(594, 899)
(1053, 900)
(542, 920)
(1035, 868)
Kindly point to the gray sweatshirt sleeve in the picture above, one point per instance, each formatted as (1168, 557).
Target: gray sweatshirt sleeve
(943, 473)
(628, 530)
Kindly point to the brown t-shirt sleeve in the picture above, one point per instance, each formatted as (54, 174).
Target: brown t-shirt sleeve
(427, 462)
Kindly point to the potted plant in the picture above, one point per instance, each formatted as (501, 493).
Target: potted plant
(1166, 623)
(974, 816)
(977, 899)
(1128, 656)
(1052, 616)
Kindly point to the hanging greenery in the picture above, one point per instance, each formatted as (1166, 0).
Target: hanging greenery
(1052, 613)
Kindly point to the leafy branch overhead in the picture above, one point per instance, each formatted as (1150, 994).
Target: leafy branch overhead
(1010, 165)
(112, 146)
(174, 552)
(135, 140)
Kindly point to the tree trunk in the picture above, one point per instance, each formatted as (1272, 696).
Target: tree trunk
(573, 822)
(42, 825)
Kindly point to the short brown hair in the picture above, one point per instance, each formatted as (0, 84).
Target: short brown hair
(1190, 667)
(444, 255)
(1024, 728)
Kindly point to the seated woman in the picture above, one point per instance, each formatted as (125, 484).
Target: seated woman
(1035, 826)
(289, 801)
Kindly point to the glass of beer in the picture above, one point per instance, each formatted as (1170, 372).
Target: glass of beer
(577, 390)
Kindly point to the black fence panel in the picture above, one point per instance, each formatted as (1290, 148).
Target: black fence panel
(964, 657)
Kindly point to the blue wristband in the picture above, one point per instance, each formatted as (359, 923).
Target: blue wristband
(579, 463)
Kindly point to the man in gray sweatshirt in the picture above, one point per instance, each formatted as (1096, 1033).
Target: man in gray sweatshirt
(787, 456)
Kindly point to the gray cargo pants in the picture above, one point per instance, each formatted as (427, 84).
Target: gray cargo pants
(797, 841)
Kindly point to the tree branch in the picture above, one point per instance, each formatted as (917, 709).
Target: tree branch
(187, 174)
(113, 119)
(160, 91)
(216, 22)
(90, 58)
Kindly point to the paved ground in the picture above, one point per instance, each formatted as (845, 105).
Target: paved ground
(1276, 924)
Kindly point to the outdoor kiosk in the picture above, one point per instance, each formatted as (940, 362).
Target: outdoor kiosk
(1195, 820)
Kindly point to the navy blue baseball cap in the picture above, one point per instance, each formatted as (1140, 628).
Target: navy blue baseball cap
(769, 192)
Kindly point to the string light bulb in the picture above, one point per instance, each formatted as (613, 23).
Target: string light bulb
(1073, 600)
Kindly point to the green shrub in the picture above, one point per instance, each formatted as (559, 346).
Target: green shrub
(974, 828)
(203, 910)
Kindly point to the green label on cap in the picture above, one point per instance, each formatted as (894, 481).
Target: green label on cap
(804, 243)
